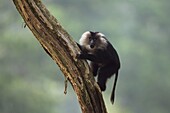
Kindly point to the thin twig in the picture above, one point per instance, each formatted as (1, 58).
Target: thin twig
(65, 89)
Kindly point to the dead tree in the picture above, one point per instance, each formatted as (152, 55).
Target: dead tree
(62, 49)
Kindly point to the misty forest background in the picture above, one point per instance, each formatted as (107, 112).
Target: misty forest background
(30, 81)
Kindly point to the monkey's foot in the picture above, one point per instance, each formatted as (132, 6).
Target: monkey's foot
(102, 86)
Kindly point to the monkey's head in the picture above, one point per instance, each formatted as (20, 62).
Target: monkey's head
(93, 40)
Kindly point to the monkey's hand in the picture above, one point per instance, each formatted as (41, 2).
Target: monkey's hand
(82, 55)
(79, 55)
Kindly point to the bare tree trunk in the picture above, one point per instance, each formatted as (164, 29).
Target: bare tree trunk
(62, 49)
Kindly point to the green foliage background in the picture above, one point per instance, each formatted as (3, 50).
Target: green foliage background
(30, 82)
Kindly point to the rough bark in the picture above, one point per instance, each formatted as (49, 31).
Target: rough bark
(62, 49)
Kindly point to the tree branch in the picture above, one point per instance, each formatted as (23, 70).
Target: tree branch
(62, 49)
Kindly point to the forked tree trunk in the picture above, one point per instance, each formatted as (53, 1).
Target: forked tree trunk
(62, 49)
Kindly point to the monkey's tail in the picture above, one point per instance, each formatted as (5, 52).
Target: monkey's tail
(114, 87)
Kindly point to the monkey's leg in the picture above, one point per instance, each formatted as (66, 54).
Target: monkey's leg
(103, 74)
(102, 82)
(94, 67)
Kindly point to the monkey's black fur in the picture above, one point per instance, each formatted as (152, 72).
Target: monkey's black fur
(104, 60)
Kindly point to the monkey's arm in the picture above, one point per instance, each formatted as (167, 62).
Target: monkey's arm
(87, 56)
(84, 55)
(98, 56)
(79, 46)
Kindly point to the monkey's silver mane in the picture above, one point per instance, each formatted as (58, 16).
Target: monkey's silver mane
(102, 41)
(84, 40)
